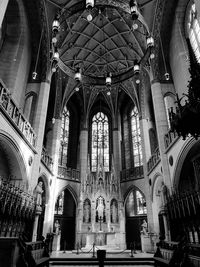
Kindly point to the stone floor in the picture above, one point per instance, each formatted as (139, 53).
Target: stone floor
(67, 255)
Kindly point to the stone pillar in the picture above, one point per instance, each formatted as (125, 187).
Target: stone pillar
(117, 151)
(35, 225)
(39, 126)
(3, 7)
(83, 152)
(162, 128)
(146, 152)
(49, 211)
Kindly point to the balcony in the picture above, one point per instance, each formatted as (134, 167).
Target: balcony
(46, 159)
(170, 138)
(132, 174)
(153, 161)
(12, 112)
(68, 174)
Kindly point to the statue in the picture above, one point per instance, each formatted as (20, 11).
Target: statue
(38, 193)
(86, 212)
(56, 238)
(100, 208)
(57, 227)
(144, 228)
(114, 212)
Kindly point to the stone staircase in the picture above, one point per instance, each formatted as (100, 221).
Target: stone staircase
(109, 261)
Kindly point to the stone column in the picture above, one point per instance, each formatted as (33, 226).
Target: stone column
(117, 151)
(3, 7)
(55, 145)
(83, 152)
(146, 152)
(162, 128)
(39, 126)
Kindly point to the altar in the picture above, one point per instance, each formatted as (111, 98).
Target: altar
(101, 220)
(100, 239)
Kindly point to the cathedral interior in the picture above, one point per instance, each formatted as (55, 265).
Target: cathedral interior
(99, 124)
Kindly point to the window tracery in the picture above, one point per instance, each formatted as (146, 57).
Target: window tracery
(136, 137)
(100, 141)
(64, 138)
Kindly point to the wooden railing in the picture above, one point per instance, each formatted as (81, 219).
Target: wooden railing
(46, 159)
(154, 160)
(68, 173)
(8, 106)
(131, 174)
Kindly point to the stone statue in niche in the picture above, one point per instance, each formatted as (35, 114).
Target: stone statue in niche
(144, 230)
(100, 209)
(114, 212)
(87, 211)
(38, 191)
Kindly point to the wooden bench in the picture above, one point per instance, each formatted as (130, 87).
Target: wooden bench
(164, 253)
(36, 254)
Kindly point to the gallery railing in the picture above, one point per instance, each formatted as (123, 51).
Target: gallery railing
(46, 159)
(154, 160)
(131, 174)
(170, 138)
(10, 109)
(17, 210)
(68, 173)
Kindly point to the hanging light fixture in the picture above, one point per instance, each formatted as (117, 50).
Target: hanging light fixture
(55, 29)
(55, 60)
(89, 6)
(150, 41)
(108, 79)
(134, 9)
(136, 71)
(77, 75)
(166, 75)
(34, 74)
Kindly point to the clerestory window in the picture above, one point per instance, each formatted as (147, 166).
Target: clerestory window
(136, 137)
(64, 137)
(100, 142)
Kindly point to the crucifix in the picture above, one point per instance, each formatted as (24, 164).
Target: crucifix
(100, 221)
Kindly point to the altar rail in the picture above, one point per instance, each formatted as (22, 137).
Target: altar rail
(46, 159)
(68, 173)
(153, 161)
(17, 209)
(9, 107)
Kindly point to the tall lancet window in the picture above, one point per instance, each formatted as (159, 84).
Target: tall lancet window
(136, 137)
(100, 141)
(64, 138)
(193, 27)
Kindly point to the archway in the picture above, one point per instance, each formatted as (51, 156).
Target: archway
(135, 210)
(65, 217)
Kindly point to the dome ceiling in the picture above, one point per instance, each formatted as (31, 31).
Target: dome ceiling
(105, 44)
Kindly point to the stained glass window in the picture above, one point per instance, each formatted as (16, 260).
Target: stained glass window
(194, 31)
(64, 138)
(135, 204)
(136, 138)
(59, 204)
(100, 141)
